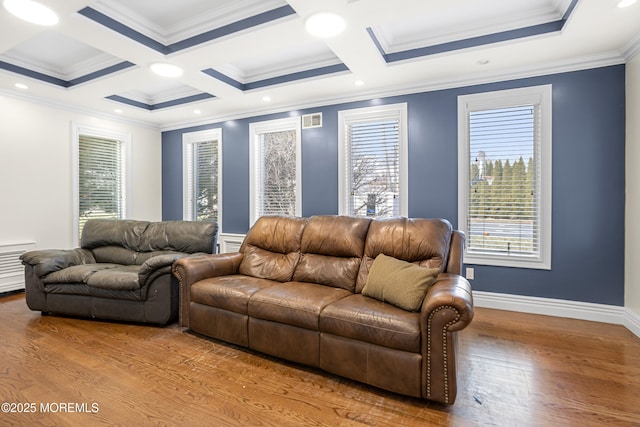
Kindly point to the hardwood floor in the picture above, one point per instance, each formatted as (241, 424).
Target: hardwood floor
(513, 370)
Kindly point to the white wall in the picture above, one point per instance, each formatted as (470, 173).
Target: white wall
(36, 200)
(632, 213)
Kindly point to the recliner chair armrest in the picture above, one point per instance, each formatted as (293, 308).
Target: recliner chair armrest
(47, 261)
(191, 269)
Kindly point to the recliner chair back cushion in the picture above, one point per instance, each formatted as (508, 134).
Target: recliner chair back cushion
(422, 241)
(271, 248)
(331, 251)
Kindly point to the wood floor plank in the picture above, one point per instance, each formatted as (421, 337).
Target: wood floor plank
(514, 369)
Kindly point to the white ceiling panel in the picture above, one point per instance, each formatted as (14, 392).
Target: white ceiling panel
(236, 52)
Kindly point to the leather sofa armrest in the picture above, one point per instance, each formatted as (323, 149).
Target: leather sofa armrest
(447, 308)
(47, 261)
(156, 265)
(450, 290)
(191, 269)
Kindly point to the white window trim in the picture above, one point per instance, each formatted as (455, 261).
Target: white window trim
(125, 138)
(189, 139)
(345, 117)
(257, 128)
(482, 101)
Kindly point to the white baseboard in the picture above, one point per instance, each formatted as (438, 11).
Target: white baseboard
(561, 308)
(632, 321)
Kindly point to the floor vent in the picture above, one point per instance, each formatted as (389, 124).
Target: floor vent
(312, 121)
(11, 268)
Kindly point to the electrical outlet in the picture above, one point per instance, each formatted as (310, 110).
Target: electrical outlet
(470, 274)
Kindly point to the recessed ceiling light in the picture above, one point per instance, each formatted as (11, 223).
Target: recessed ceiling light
(165, 69)
(31, 11)
(117, 110)
(197, 112)
(21, 86)
(359, 82)
(266, 98)
(483, 61)
(325, 24)
(626, 3)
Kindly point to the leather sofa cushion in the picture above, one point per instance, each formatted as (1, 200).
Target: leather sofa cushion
(332, 248)
(398, 282)
(76, 273)
(294, 303)
(120, 278)
(263, 264)
(105, 276)
(336, 236)
(104, 232)
(230, 293)
(366, 319)
(145, 236)
(327, 270)
(421, 240)
(82, 289)
(115, 255)
(271, 248)
(181, 236)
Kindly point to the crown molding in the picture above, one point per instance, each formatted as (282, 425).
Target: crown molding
(214, 18)
(569, 65)
(632, 48)
(164, 96)
(80, 69)
(277, 70)
(556, 67)
(476, 28)
(76, 109)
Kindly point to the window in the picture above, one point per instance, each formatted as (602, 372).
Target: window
(201, 153)
(275, 168)
(100, 178)
(504, 154)
(373, 161)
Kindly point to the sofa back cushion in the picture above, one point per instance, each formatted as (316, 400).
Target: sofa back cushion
(181, 236)
(422, 241)
(109, 232)
(331, 251)
(131, 242)
(271, 248)
(115, 255)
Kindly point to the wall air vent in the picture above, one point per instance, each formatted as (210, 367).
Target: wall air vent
(312, 121)
(11, 269)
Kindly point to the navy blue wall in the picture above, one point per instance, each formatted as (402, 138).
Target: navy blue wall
(588, 178)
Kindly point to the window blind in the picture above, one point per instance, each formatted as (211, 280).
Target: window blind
(504, 181)
(277, 175)
(101, 179)
(202, 181)
(373, 167)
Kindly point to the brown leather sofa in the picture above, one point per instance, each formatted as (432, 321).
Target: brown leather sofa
(295, 291)
(122, 270)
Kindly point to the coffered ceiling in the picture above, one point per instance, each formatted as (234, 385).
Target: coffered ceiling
(248, 57)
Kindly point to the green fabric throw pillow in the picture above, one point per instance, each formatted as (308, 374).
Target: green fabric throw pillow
(398, 282)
